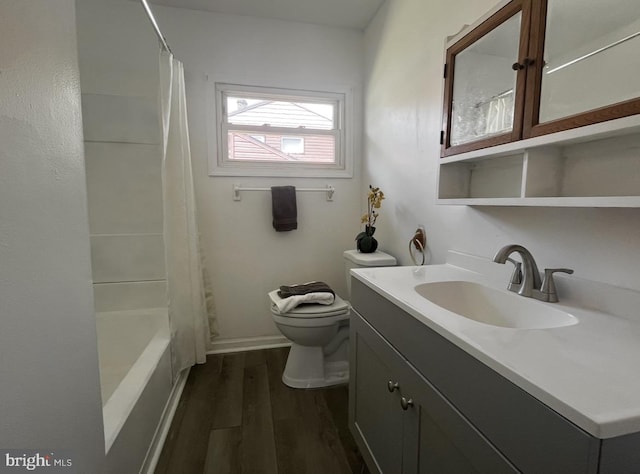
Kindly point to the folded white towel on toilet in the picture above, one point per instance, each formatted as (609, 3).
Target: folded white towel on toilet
(285, 305)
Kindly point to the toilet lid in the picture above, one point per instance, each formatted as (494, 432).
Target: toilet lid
(338, 307)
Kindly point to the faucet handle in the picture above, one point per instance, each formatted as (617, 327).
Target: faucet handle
(516, 276)
(548, 284)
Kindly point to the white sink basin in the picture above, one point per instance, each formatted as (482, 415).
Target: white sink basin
(489, 306)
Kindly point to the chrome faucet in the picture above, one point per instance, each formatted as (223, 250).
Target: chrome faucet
(525, 279)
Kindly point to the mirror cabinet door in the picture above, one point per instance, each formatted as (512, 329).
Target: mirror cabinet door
(590, 64)
(537, 67)
(591, 56)
(486, 83)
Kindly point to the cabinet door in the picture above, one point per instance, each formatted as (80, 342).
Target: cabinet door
(447, 442)
(485, 76)
(411, 429)
(375, 414)
(586, 64)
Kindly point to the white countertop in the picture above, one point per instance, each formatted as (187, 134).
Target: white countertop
(587, 372)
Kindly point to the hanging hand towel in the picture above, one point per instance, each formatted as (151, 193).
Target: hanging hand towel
(284, 208)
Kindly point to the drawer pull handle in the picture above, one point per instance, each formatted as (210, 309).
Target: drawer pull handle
(392, 386)
(405, 404)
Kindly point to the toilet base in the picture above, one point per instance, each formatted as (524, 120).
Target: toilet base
(307, 368)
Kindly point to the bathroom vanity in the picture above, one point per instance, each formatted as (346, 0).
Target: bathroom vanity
(435, 392)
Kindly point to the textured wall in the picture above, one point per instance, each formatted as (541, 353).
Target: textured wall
(49, 361)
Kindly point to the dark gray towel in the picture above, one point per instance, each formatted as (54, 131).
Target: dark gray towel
(284, 208)
(306, 288)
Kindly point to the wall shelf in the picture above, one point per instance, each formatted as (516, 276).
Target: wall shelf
(592, 166)
(616, 201)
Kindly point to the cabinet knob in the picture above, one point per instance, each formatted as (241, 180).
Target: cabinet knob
(393, 386)
(406, 403)
(519, 66)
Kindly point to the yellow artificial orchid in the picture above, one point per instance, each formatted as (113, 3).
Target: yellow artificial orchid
(365, 242)
(374, 201)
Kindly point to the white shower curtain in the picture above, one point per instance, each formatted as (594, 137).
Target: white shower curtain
(188, 316)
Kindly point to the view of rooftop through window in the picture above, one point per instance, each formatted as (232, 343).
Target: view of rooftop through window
(275, 128)
(279, 113)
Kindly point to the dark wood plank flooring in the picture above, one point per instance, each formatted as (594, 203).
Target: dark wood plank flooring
(236, 416)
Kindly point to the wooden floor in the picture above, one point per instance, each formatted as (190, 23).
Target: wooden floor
(236, 416)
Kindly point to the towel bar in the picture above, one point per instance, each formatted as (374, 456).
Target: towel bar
(328, 189)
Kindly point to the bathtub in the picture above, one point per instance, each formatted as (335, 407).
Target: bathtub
(135, 376)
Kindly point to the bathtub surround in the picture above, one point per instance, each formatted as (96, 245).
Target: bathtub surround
(50, 396)
(123, 154)
(124, 150)
(143, 220)
(188, 317)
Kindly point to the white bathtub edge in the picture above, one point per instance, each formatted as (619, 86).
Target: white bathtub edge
(160, 436)
(125, 397)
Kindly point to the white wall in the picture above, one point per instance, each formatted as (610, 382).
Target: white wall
(245, 256)
(403, 100)
(118, 57)
(49, 363)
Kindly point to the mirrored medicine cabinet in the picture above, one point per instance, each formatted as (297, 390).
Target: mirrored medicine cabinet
(531, 78)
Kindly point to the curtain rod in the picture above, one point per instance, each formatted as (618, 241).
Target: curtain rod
(163, 41)
(327, 189)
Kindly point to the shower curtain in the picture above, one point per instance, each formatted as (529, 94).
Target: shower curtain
(187, 298)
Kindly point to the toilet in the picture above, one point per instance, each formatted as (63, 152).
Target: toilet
(319, 334)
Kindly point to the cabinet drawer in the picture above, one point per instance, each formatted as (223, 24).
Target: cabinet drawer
(531, 435)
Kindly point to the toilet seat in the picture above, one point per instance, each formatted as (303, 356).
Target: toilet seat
(311, 311)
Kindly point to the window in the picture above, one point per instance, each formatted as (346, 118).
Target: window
(292, 145)
(263, 131)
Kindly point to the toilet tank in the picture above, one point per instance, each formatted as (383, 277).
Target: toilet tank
(355, 259)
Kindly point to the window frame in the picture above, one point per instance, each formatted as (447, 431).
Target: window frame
(218, 128)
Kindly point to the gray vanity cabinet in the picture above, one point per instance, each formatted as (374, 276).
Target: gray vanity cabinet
(402, 424)
(463, 417)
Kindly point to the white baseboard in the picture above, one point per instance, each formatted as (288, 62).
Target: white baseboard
(153, 454)
(220, 346)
